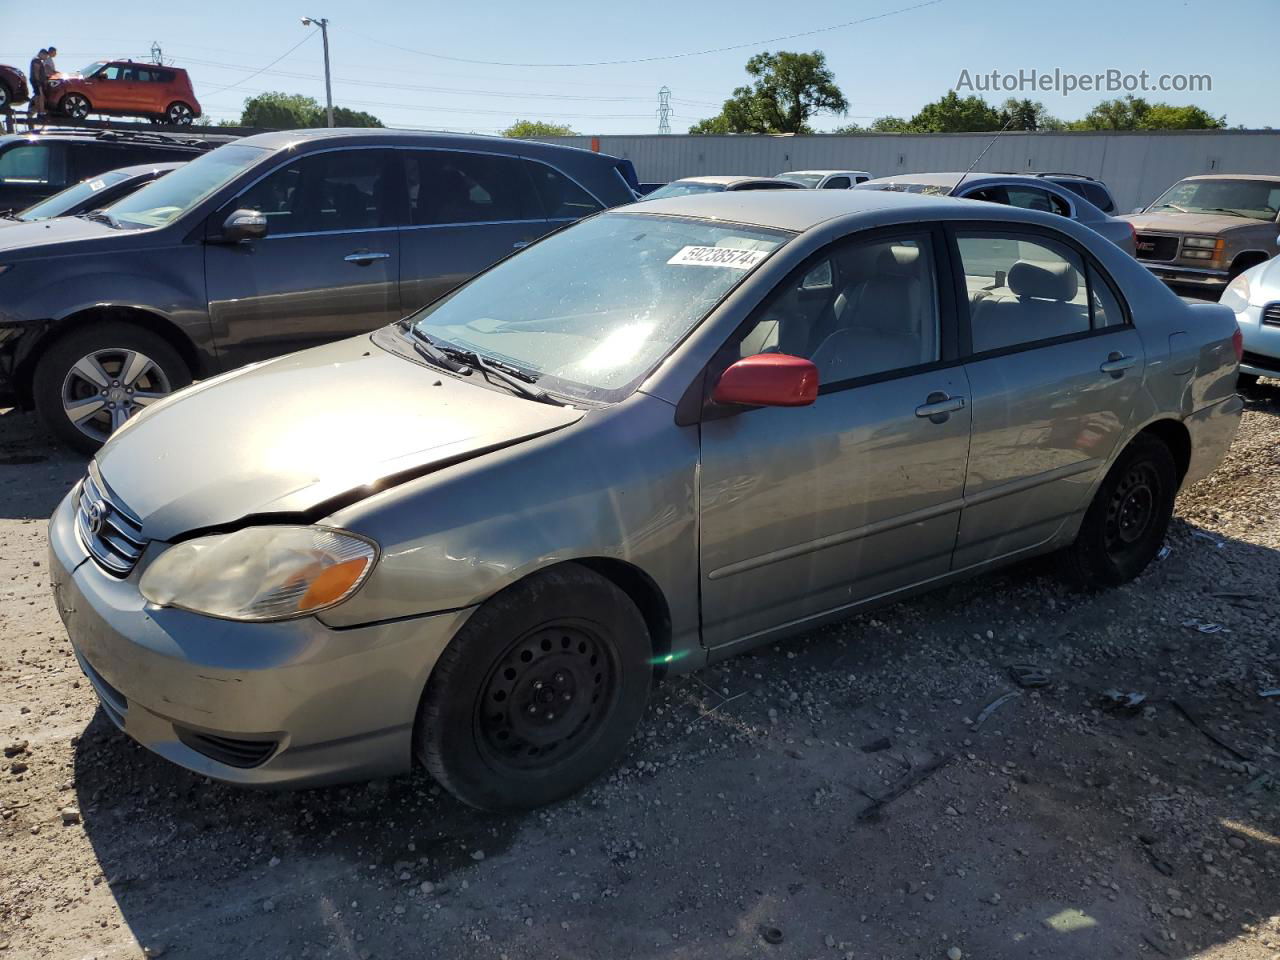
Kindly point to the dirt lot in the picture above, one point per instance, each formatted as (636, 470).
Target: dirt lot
(1058, 827)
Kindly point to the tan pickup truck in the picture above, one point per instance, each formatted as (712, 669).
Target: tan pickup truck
(1206, 230)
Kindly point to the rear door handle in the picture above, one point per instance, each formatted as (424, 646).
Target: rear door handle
(1117, 363)
(364, 257)
(939, 406)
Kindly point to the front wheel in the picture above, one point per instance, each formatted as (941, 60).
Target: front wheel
(6, 98)
(75, 105)
(539, 692)
(179, 114)
(1127, 521)
(93, 379)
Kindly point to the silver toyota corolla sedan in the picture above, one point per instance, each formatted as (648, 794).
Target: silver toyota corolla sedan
(668, 434)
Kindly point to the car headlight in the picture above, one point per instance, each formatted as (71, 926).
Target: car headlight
(1238, 289)
(1209, 242)
(260, 573)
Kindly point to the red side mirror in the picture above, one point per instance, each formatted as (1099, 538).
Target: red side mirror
(768, 380)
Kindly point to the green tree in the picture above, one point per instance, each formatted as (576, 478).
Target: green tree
(789, 89)
(849, 128)
(952, 113)
(538, 128)
(1135, 113)
(1164, 116)
(891, 125)
(1028, 115)
(292, 111)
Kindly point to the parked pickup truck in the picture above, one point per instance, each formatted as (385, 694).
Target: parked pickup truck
(1208, 230)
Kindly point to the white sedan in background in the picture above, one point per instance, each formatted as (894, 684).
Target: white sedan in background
(826, 179)
(1255, 298)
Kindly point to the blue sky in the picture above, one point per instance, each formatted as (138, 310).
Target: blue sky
(888, 66)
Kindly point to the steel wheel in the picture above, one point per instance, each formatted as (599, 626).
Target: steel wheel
(180, 114)
(75, 105)
(546, 696)
(1132, 507)
(105, 388)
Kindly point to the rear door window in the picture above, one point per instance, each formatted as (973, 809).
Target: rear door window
(34, 164)
(562, 198)
(447, 187)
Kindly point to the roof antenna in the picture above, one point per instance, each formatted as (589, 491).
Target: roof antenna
(979, 157)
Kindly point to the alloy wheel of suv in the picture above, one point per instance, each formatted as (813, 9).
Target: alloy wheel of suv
(180, 114)
(75, 105)
(93, 380)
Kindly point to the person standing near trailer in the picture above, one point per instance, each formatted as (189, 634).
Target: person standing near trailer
(38, 76)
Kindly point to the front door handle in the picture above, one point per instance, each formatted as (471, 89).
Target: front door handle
(365, 257)
(1116, 364)
(939, 406)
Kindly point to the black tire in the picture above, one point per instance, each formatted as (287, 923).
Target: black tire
(55, 385)
(179, 114)
(1246, 381)
(75, 105)
(1127, 521)
(6, 98)
(563, 639)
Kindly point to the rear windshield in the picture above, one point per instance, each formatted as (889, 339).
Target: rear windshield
(1251, 199)
(682, 188)
(165, 200)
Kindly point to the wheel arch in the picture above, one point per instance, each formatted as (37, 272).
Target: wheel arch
(1174, 435)
(147, 320)
(644, 592)
(1247, 259)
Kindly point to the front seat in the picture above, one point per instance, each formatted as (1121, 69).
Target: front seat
(1041, 307)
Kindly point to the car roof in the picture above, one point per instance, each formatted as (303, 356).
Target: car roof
(391, 137)
(726, 181)
(800, 210)
(820, 173)
(1269, 177)
(952, 180)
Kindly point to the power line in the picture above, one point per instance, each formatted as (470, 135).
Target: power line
(310, 34)
(655, 59)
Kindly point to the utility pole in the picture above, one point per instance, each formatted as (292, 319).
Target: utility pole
(664, 110)
(323, 24)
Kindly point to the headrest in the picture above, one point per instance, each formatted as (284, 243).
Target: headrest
(898, 260)
(1057, 281)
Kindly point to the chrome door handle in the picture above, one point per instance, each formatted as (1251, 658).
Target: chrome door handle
(364, 256)
(520, 244)
(939, 406)
(1117, 363)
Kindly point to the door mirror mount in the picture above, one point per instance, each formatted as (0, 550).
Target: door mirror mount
(244, 225)
(768, 380)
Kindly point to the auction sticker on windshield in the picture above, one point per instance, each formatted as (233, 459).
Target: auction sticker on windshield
(719, 257)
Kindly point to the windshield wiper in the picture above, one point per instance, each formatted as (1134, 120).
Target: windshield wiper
(518, 380)
(1234, 213)
(99, 216)
(429, 351)
(1175, 206)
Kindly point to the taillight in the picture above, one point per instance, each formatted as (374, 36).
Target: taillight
(1237, 342)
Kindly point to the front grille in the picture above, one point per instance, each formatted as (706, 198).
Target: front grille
(1259, 361)
(228, 750)
(1271, 314)
(1155, 246)
(111, 534)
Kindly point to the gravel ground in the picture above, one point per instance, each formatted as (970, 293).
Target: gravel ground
(743, 822)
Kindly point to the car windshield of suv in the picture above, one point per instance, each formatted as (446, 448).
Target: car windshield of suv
(1255, 199)
(165, 200)
(592, 309)
(902, 186)
(804, 179)
(72, 197)
(93, 68)
(682, 188)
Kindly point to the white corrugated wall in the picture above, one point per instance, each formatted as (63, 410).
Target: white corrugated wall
(1137, 166)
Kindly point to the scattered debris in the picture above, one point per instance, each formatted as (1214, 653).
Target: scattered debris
(1115, 699)
(1203, 728)
(70, 816)
(1201, 535)
(875, 746)
(1204, 626)
(992, 707)
(1164, 552)
(917, 776)
(1273, 692)
(1028, 675)
(771, 934)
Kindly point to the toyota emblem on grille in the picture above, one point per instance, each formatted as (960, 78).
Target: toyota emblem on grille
(97, 516)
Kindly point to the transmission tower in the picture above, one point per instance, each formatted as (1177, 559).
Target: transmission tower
(664, 110)
(157, 56)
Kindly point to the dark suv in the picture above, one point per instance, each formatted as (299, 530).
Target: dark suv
(264, 246)
(38, 165)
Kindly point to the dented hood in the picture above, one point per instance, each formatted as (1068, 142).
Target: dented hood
(290, 435)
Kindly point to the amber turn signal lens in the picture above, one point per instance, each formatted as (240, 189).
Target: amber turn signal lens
(332, 585)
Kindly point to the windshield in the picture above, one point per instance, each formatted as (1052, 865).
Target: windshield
(1255, 199)
(682, 188)
(901, 186)
(93, 68)
(591, 310)
(804, 179)
(70, 198)
(165, 200)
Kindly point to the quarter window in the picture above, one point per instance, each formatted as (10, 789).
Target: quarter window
(862, 308)
(562, 199)
(446, 187)
(342, 190)
(1021, 291)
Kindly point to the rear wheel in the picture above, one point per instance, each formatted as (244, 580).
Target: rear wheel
(1127, 521)
(92, 380)
(539, 692)
(75, 105)
(6, 98)
(180, 114)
